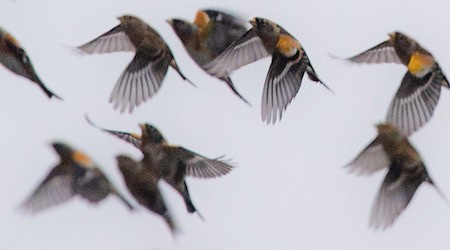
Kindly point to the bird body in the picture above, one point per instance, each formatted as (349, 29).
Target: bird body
(289, 64)
(14, 58)
(208, 36)
(76, 174)
(144, 76)
(143, 185)
(406, 172)
(419, 92)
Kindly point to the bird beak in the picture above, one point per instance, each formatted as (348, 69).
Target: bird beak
(169, 21)
(142, 126)
(391, 35)
(253, 22)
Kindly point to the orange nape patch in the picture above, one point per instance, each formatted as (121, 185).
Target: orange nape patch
(287, 45)
(420, 64)
(82, 159)
(201, 19)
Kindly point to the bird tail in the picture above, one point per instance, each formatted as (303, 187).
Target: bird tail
(123, 199)
(189, 205)
(174, 65)
(429, 180)
(313, 76)
(172, 225)
(47, 91)
(231, 85)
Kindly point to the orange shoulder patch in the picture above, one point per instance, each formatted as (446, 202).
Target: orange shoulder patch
(287, 45)
(82, 159)
(201, 19)
(420, 64)
(12, 40)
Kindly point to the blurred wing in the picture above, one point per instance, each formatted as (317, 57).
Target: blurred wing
(247, 49)
(282, 84)
(128, 137)
(140, 80)
(382, 53)
(114, 40)
(395, 193)
(53, 190)
(370, 160)
(201, 167)
(415, 101)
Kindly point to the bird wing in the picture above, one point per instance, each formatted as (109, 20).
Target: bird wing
(281, 85)
(247, 49)
(201, 167)
(415, 101)
(115, 40)
(140, 80)
(370, 160)
(382, 53)
(394, 195)
(56, 188)
(134, 139)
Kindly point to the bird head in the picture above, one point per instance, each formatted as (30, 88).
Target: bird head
(264, 26)
(389, 132)
(63, 150)
(183, 29)
(150, 134)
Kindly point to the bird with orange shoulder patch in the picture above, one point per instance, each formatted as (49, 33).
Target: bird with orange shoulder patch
(419, 92)
(75, 175)
(210, 33)
(14, 58)
(289, 64)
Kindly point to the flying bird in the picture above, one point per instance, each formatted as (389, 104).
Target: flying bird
(406, 172)
(75, 175)
(289, 64)
(144, 76)
(174, 163)
(208, 36)
(419, 92)
(143, 185)
(14, 58)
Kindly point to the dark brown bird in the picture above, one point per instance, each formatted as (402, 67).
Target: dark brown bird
(208, 36)
(174, 162)
(142, 184)
(289, 64)
(14, 57)
(145, 74)
(76, 174)
(419, 92)
(406, 172)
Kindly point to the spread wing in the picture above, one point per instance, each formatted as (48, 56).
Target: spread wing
(394, 195)
(141, 80)
(114, 40)
(415, 101)
(382, 53)
(370, 160)
(56, 188)
(282, 84)
(131, 138)
(201, 167)
(247, 49)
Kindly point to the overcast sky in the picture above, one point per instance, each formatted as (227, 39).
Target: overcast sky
(289, 191)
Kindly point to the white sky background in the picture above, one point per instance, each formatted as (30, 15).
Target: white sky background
(290, 190)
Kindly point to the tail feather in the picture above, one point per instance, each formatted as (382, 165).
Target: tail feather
(175, 66)
(231, 85)
(313, 76)
(123, 199)
(48, 92)
(189, 205)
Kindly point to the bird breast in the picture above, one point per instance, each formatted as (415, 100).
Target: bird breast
(287, 46)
